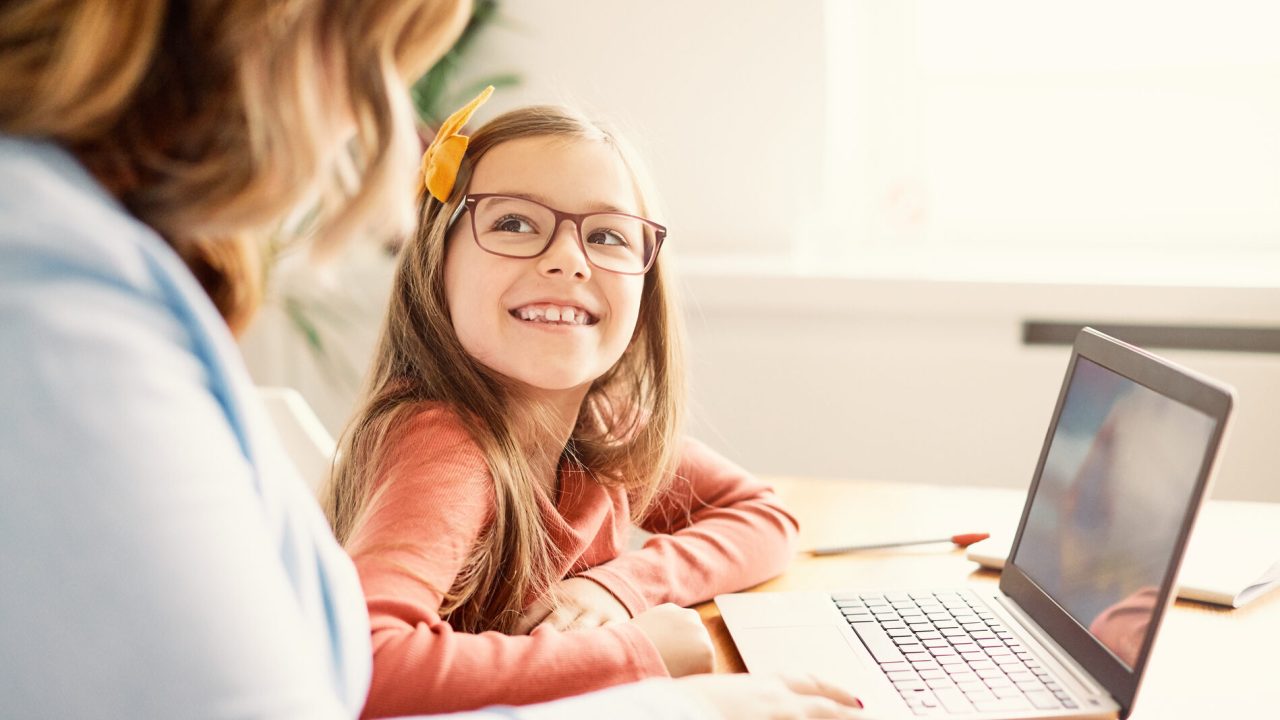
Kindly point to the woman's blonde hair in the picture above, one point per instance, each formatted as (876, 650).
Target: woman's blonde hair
(624, 432)
(212, 121)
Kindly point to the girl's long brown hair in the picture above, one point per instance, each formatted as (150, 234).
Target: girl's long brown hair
(213, 120)
(624, 434)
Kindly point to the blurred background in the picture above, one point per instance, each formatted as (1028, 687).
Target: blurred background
(889, 216)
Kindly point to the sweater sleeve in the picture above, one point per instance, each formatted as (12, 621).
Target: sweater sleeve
(717, 529)
(434, 497)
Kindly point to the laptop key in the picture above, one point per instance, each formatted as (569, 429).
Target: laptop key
(912, 685)
(880, 644)
(1043, 700)
(1001, 704)
(1008, 691)
(1029, 685)
(976, 696)
(953, 700)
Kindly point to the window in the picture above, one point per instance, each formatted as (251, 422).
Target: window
(1028, 139)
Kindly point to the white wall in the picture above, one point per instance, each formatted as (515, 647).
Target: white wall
(930, 382)
(725, 99)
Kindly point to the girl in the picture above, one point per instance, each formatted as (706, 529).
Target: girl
(524, 408)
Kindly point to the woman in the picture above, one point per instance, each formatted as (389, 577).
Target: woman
(160, 555)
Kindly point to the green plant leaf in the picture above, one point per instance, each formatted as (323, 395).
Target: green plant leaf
(297, 313)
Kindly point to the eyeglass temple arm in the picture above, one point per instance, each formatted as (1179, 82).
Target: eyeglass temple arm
(457, 213)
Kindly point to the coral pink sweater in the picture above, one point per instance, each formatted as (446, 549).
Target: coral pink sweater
(717, 529)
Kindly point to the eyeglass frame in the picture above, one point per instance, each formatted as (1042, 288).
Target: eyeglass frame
(469, 201)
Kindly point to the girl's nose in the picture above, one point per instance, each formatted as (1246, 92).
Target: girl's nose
(564, 256)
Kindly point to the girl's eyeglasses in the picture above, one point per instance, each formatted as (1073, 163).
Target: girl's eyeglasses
(518, 227)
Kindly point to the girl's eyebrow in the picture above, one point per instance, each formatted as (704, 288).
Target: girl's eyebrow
(598, 207)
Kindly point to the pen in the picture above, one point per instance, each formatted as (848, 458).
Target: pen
(963, 540)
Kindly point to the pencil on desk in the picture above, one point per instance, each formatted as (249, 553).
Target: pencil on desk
(963, 540)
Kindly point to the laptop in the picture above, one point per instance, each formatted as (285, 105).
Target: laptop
(1122, 474)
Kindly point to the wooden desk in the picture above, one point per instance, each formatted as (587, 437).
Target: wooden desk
(1209, 662)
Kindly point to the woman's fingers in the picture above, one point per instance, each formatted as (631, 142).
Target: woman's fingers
(812, 685)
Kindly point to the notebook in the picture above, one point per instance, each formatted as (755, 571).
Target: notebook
(1233, 558)
(1122, 474)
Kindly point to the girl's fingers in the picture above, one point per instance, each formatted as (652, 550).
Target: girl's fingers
(534, 616)
(562, 617)
(589, 620)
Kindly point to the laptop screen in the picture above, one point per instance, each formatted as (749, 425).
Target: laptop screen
(1103, 526)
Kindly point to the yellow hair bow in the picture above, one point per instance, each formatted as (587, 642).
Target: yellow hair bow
(443, 156)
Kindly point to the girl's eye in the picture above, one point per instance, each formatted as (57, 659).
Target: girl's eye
(514, 224)
(607, 237)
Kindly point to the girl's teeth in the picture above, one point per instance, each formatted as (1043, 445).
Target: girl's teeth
(566, 315)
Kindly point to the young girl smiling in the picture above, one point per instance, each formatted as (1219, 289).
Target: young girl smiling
(524, 409)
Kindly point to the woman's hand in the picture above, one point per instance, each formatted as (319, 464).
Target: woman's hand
(679, 636)
(578, 603)
(772, 697)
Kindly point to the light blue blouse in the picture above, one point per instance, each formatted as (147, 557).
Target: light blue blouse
(160, 556)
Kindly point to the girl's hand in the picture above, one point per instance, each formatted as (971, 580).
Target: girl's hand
(681, 638)
(770, 697)
(580, 603)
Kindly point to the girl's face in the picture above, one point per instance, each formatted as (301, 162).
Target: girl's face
(503, 309)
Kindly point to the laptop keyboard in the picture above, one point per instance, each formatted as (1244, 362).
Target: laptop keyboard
(948, 653)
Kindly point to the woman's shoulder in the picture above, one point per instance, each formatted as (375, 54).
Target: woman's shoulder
(55, 217)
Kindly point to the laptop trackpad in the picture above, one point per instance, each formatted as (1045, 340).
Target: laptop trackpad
(788, 649)
(819, 651)
(778, 610)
